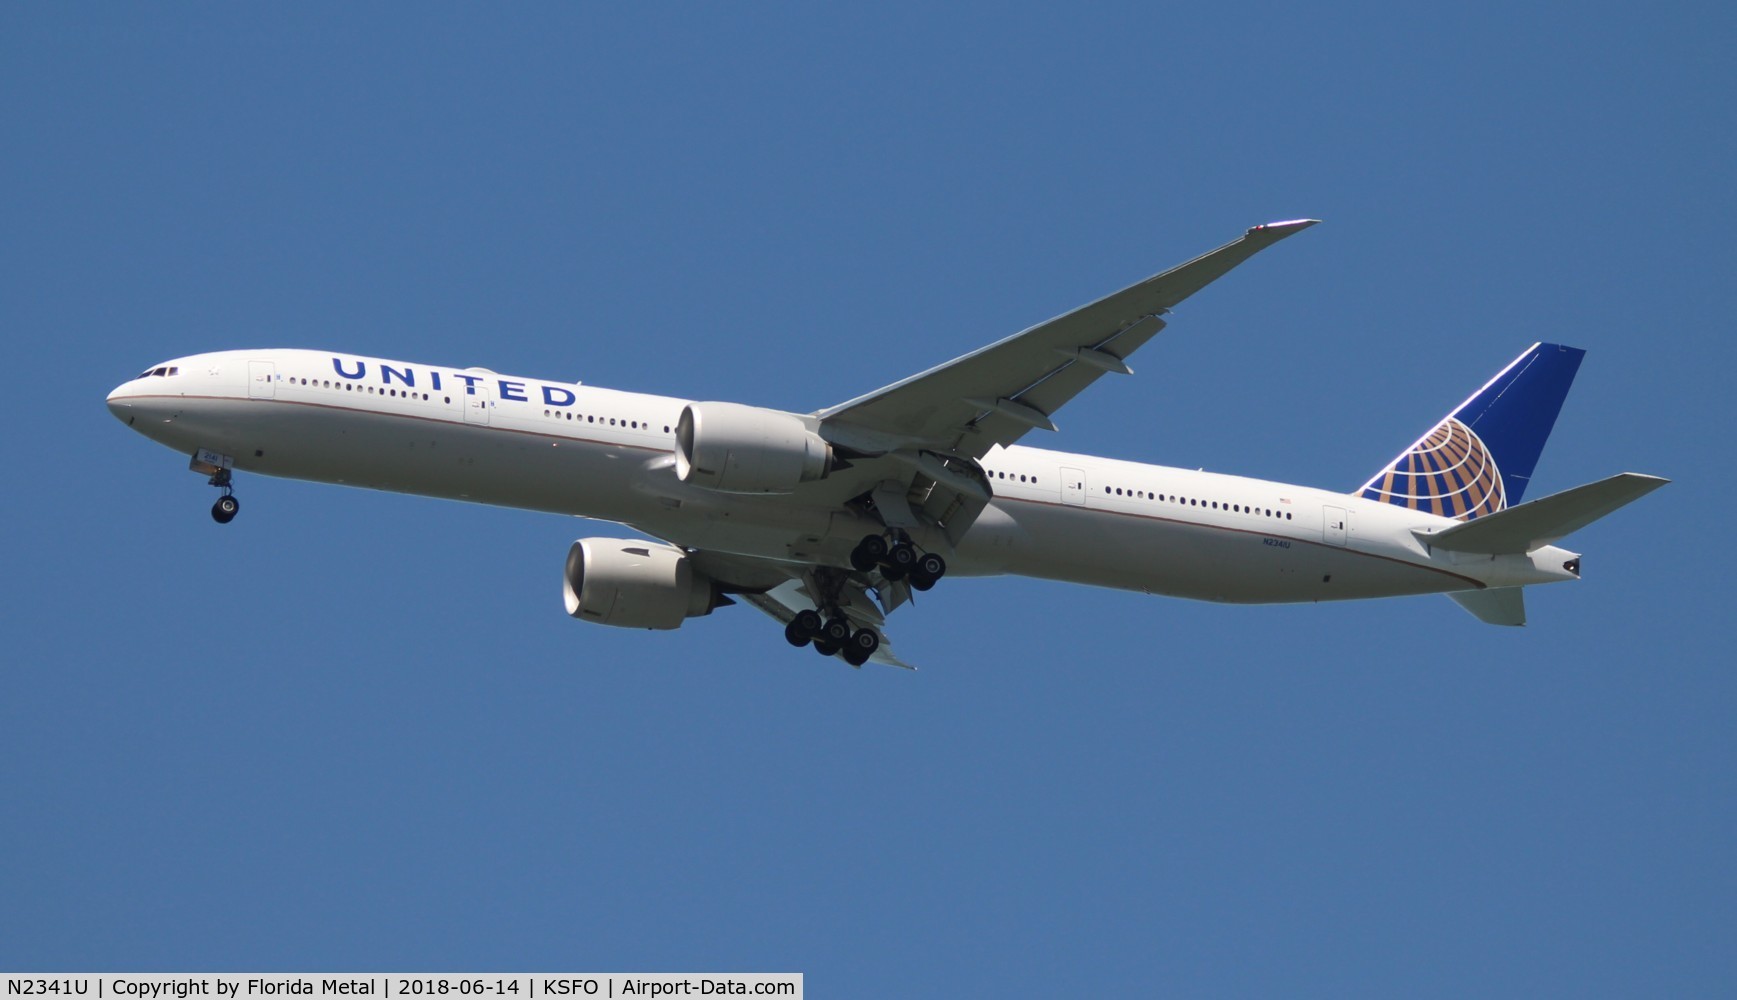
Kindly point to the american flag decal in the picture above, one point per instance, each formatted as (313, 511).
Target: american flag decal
(1449, 473)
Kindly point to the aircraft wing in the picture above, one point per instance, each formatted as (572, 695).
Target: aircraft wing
(993, 396)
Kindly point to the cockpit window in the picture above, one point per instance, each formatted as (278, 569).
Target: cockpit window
(162, 372)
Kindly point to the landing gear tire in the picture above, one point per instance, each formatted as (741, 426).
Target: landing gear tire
(226, 507)
(806, 623)
(901, 558)
(864, 642)
(794, 635)
(862, 645)
(825, 648)
(868, 553)
(836, 633)
(929, 569)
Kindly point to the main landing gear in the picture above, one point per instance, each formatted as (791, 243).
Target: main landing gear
(898, 561)
(831, 633)
(226, 507)
(832, 636)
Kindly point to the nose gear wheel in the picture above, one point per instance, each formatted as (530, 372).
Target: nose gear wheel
(226, 507)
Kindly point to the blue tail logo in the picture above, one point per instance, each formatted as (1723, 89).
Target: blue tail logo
(1479, 459)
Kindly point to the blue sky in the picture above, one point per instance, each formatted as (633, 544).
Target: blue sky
(355, 730)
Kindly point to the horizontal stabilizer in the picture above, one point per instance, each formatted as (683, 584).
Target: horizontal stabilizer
(1536, 524)
(1497, 606)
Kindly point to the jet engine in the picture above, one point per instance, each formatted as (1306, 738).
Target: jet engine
(733, 448)
(635, 584)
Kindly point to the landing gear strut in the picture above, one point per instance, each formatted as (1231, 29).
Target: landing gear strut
(226, 507)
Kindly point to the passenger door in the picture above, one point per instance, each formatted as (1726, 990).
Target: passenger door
(1073, 486)
(477, 404)
(1335, 522)
(261, 380)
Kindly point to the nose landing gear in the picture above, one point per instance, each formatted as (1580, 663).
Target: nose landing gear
(209, 463)
(226, 507)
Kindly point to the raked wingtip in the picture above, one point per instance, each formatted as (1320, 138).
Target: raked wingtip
(1284, 228)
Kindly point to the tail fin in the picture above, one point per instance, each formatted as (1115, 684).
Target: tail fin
(1479, 458)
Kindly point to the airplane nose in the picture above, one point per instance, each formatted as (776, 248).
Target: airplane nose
(120, 407)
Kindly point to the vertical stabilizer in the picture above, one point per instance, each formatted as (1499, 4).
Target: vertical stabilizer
(1479, 458)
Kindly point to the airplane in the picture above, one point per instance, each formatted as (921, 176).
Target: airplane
(831, 520)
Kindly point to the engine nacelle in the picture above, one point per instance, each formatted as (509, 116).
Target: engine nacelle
(633, 584)
(733, 448)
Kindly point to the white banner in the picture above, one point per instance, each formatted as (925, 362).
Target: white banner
(406, 985)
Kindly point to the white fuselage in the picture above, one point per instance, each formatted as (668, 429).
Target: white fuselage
(470, 434)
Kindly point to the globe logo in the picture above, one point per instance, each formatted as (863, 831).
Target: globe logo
(1450, 473)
